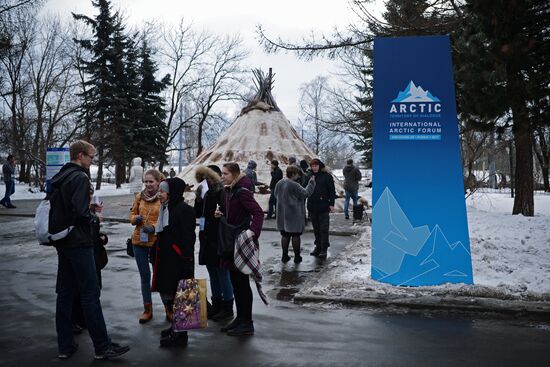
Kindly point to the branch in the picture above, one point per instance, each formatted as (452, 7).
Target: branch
(328, 47)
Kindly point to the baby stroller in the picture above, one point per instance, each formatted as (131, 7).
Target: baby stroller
(361, 211)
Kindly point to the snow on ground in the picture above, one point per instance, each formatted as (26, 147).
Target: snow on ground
(23, 191)
(510, 256)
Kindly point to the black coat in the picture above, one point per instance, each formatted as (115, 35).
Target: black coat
(70, 205)
(208, 239)
(175, 244)
(276, 176)
(324, 194)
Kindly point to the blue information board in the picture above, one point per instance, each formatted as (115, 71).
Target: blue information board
(55, 160)
(419, 229)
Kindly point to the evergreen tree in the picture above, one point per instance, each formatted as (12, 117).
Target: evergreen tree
(98, 92)
(503, 74)
(123, 115)
(150, 129)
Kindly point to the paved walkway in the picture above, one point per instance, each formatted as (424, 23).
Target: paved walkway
(116, 209)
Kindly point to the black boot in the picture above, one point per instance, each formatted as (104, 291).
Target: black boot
(285, 258)
(232, 325)
(316, 251)
(297, 257)
(174, 339)
(226, 311)
(165, 332)
(323, 253)
(243, 329)
(216, 307)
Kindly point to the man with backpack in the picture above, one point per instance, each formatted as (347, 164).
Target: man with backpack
(70, 195)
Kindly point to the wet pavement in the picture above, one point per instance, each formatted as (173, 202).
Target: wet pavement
(287, 334)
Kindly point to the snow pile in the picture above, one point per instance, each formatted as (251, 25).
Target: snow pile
(24, 191)
(510, 257)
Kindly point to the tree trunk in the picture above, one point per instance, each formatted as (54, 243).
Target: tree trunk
(545, 171)
(120, 172)
(199, 138)
(543, 156)
(511, 156)
(100, 160)
(515, 88)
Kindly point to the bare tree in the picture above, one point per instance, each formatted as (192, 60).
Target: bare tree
(51, 77)
(184, 51)
(314, 105)
(19, 24)
(224, 74)
(11, 5)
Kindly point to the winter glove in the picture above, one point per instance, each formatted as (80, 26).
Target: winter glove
(148, 229)
(138, 219)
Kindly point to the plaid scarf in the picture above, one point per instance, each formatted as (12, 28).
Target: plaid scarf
(247, 259)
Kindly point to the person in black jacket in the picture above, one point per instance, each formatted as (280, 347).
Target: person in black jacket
(205, 206)
(319, 205)
(70, 206)
(8, 171)
(175, 258)
(276, 176)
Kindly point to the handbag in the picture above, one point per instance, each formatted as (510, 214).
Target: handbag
(129, 247)
(190, 305)
(228, 234)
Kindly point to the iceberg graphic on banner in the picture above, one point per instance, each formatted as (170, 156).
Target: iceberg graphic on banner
(413, 256)
(415, 94)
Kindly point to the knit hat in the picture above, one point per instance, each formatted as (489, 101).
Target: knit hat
(164, 187)
(291, 160)
(251, 165)
(275, 162)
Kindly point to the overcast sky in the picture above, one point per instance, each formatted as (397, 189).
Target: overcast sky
(290, 19)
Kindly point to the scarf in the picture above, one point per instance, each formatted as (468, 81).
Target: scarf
(149, 198)
(163, 219)
(247, 259)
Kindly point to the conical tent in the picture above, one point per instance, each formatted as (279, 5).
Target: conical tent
(261, 133)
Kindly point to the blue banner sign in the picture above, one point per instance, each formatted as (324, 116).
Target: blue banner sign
(419, 229)
(55, 159)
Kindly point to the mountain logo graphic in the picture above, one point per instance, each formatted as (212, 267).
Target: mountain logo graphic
(407, 255)
(412, 93)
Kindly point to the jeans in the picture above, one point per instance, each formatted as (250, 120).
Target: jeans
(76, 272)
(354, 196)
(320, 223)
(220, 282)
(243, 294)
(271, 206)
(141, 255)
(10, 189)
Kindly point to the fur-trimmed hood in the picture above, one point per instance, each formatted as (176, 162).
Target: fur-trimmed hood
(203, 172)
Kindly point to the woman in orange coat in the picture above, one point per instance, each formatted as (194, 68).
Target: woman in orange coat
(144, 215)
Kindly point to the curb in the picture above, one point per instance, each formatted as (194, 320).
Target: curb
(538, 310)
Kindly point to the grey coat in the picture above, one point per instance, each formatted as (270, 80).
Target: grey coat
(291, 211)
(352, 176)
